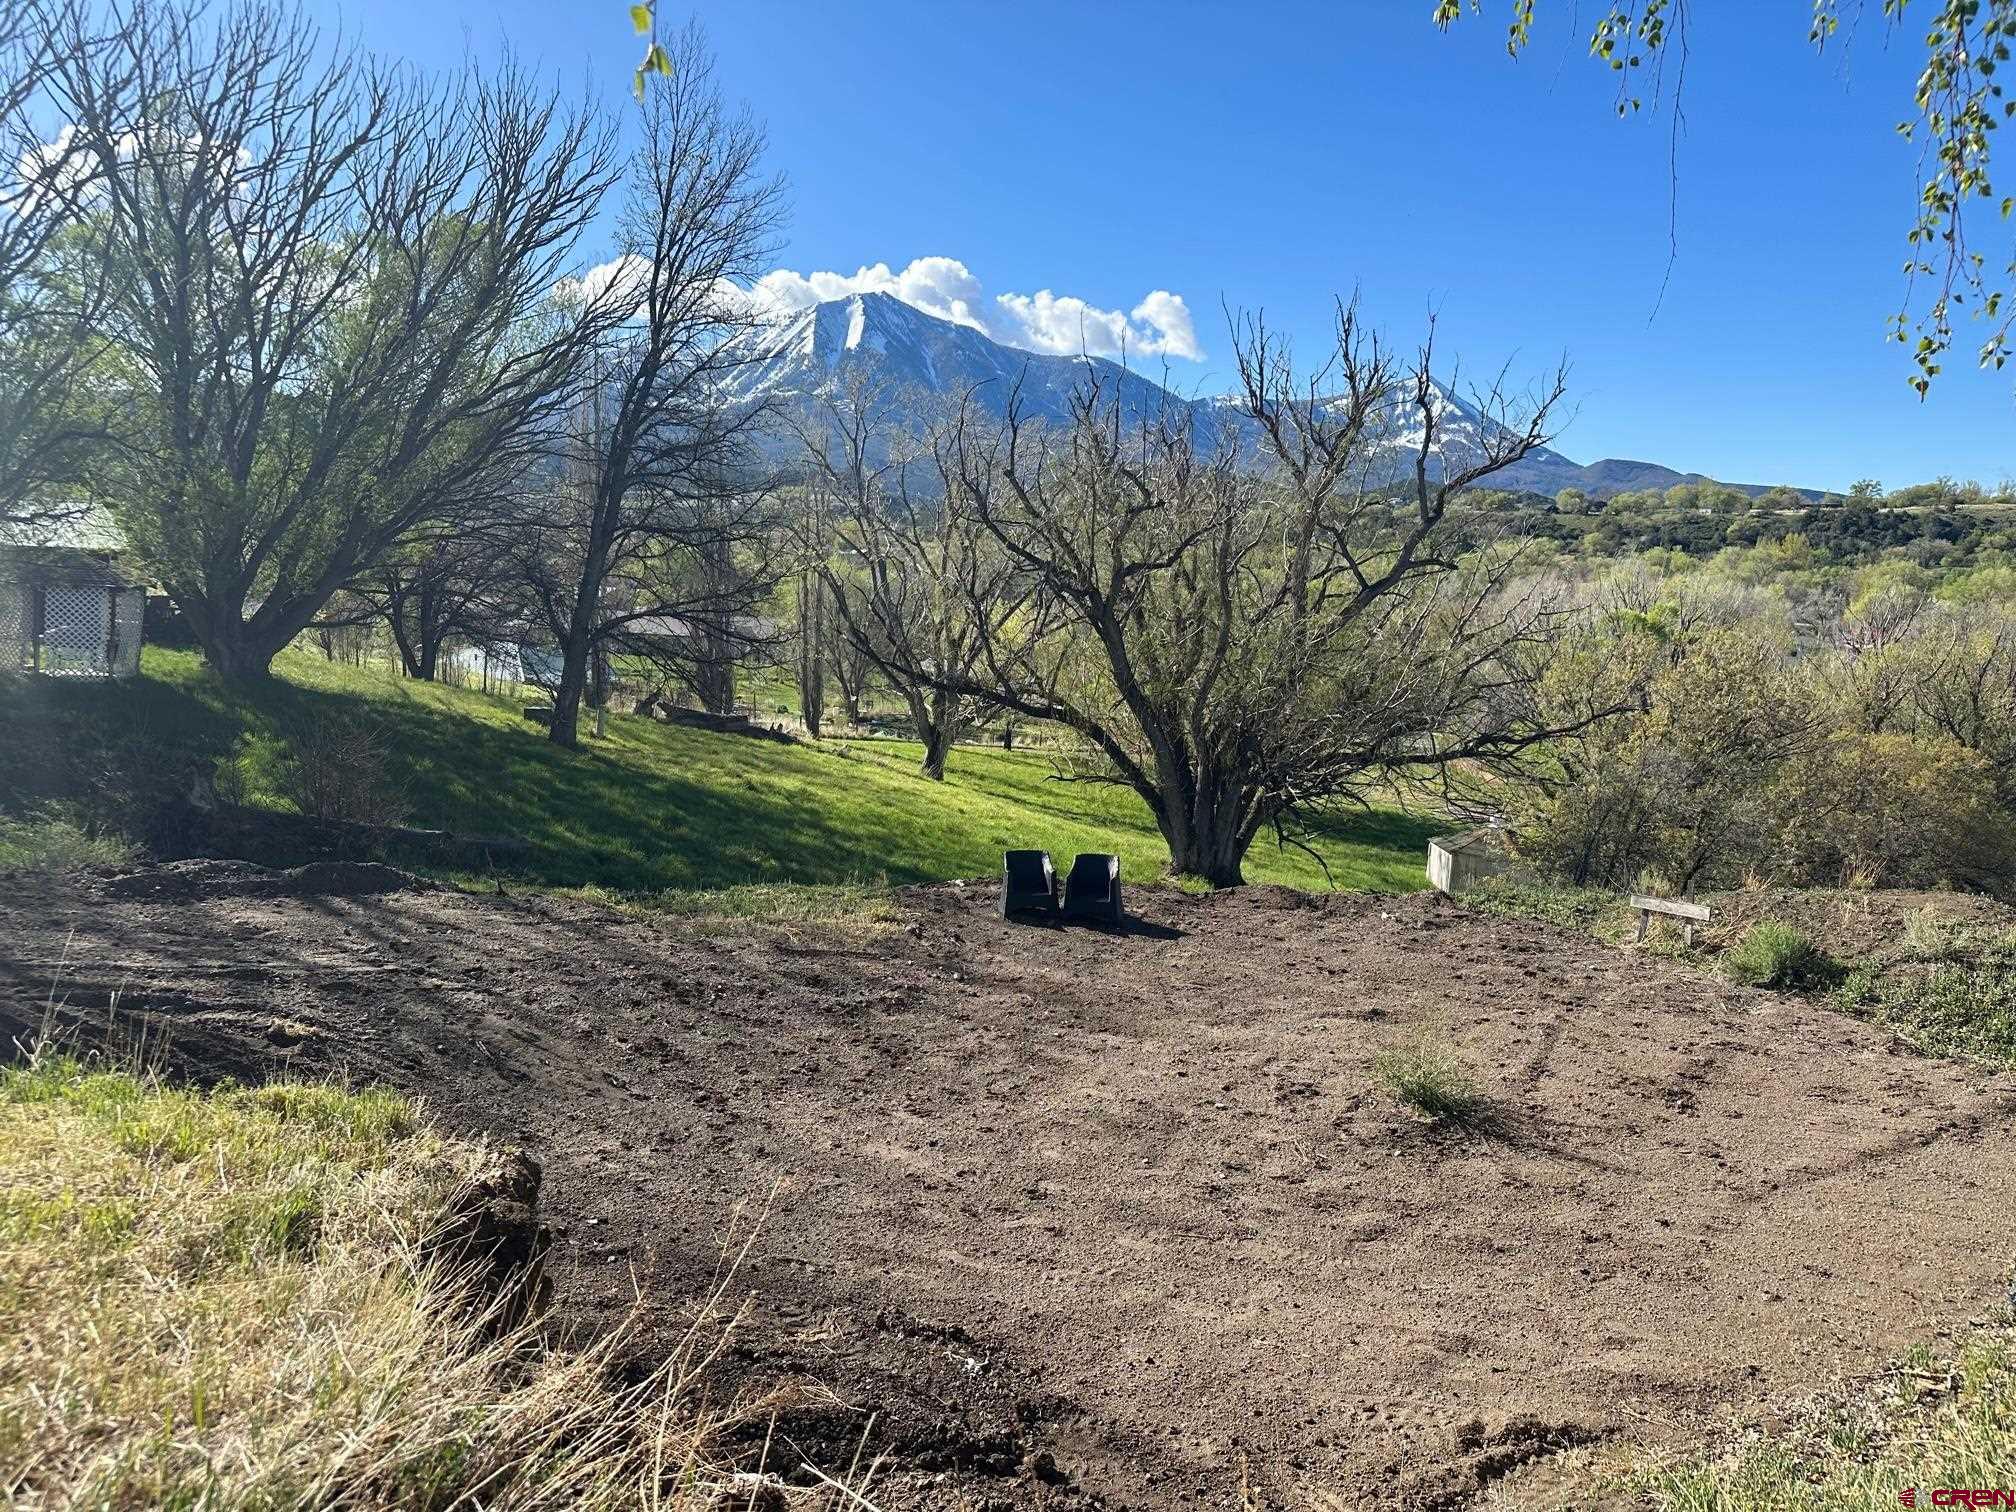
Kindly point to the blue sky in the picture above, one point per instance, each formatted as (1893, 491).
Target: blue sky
(1277, 155)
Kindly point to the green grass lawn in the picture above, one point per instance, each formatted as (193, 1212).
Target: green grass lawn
(656, 806)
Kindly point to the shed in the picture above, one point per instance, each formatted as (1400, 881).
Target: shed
(1459, 862)
(67, 608)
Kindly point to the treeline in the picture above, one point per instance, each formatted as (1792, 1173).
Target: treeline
(329, 339)
(1852, 535)
(1858, 731)
(1942, 524)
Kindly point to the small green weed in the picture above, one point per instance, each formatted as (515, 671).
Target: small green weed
(1431, 1080)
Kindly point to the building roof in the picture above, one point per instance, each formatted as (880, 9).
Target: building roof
(67, 525)
(1484, 837)
(753, 627)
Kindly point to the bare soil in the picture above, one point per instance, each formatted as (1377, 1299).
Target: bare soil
(1075, 1218)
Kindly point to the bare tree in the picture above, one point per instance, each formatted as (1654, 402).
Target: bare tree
(52, 286)
(454, 584)
(331, 319)
(917, 582)
(660, 547)
(1250, 648)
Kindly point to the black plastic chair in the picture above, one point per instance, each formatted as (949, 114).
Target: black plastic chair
(1028, 883)
(1092, 890)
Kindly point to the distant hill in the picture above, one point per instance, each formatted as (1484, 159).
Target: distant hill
(897, 346)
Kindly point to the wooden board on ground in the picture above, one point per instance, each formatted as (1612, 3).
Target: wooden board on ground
(1692, 913)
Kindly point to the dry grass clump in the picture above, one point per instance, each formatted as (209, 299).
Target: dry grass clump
(1431, 1080)
(231, 1301)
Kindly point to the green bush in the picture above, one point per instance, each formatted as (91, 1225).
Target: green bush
(51, 840)
(1771, 954)
(1947, 1008)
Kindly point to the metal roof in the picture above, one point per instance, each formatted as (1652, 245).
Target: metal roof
(64, 525)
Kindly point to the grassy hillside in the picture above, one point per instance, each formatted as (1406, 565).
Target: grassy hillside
(655, 806)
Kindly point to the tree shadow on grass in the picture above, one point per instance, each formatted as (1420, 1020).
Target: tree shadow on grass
(653, 808)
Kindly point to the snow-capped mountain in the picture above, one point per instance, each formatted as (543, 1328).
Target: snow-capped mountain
(899, 349)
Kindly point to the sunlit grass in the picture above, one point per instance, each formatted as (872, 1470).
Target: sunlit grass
(1935, 1422)
(240, 1301)
(49, 839)
(655, 807)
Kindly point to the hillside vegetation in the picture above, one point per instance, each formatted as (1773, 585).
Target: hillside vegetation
(651, 807)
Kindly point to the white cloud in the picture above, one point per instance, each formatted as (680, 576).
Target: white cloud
(71, 168)
(1159, 326)
(627, 278)
(624, 276)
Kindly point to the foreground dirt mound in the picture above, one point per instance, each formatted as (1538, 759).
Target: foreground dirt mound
(1070, 1217)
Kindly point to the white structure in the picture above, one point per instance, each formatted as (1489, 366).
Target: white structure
(66, 608)
(1459, 862)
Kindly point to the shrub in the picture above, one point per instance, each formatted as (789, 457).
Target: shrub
(1431, 1080)
(338, 768)
(1949, 1008)
(1771, 954)
(51, 840)
(1893, 811)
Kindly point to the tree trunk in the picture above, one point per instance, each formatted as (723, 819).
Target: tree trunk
(937, 746)
(579, 642)
(933, 718)
(812, 653)
(566, 727)
(1208, 827)
(236, 656)
(714, 681)
(1212, 856)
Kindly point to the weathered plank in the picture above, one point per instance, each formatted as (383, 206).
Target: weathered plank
(1675, 907)
(1691, 913)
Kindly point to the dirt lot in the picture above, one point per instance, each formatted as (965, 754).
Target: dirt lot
(1089, 1218)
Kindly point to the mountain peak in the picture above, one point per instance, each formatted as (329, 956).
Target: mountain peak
(902, 348)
